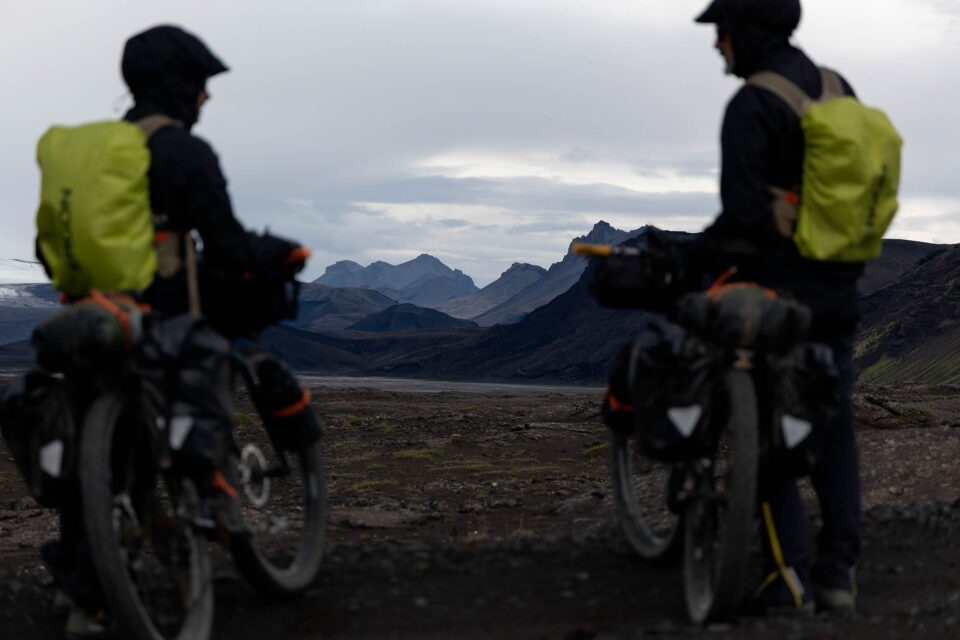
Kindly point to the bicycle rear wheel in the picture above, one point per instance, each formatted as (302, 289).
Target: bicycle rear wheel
(640, 486)
(283, 503)
(153, 568)
(718, 521)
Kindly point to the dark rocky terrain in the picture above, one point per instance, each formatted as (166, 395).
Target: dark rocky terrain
(459, 515)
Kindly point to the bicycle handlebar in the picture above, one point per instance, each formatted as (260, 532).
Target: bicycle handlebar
(604, 250)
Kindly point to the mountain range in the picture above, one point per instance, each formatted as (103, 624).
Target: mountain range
(558, 278)
(909, 329)
(511, 282)
(424, 281)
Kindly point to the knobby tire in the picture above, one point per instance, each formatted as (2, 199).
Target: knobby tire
(719, 522)
(640, 494)
(287, 566)
(107, 453)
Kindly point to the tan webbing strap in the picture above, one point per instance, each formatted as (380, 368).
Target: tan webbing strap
(193, 285)
(791, 94)
(832, 86)
(168, 261)
(795, 97)
(151, 124)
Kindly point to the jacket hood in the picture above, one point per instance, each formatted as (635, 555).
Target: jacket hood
(777, 16)
(166, 68)
(758, 29)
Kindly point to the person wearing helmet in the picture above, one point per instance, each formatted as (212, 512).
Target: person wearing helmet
(762, 146)
(167, 70)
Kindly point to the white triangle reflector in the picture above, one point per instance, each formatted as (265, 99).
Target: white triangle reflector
(51, 458)
(685, 418)
(794, 430)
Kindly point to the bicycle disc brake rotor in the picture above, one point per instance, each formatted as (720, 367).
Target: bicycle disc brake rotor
(253, 468)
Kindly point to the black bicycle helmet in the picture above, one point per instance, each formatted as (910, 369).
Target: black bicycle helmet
(778, 16)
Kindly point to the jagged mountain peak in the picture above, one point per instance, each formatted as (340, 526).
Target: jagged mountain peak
(520, 267)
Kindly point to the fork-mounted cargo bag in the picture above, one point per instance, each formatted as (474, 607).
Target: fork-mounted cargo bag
(798, 397)
(186, 372)
(283, 404)
(662, 388)
(37, 424)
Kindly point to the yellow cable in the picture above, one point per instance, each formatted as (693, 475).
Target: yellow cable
(778, 556)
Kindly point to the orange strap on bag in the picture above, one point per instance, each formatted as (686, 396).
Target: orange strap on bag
(295, 408)
(109, 302)
(721, 287)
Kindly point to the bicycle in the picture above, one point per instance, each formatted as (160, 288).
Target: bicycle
(701, 503)
(147, 529)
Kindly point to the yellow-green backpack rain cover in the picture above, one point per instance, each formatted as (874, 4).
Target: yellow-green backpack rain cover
(94, 224)
(851, 171)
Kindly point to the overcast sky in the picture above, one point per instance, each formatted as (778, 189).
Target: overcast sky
(483, 132)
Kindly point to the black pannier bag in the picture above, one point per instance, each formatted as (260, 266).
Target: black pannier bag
(94, 333)
(38, 427)
(662, 389)
(799, 396)
(283, 405)
(186, 372)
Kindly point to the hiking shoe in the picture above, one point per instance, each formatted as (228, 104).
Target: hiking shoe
(62, 603)
(83, 624)
(841, 602)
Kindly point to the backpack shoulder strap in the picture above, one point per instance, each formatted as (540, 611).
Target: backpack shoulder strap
(790, 93)
(151, 124)
(832, 85)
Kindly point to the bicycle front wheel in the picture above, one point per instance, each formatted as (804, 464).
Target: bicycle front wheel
(718, 520)
(154, 569)
(640, 486)
(283, 503)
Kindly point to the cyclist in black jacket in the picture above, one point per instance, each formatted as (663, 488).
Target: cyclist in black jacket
(166, 69)
(762, 146)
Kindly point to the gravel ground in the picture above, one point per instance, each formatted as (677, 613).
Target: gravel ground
(462, 515)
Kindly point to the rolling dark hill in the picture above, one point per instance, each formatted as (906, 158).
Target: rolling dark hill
(911, 328)
(22, 306)
(359, 354)
(404, 317)
(17, 355)
(897, 258)
(323, 308)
